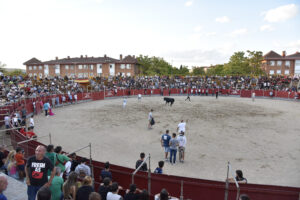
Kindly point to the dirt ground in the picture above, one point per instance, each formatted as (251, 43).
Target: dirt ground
(262, 138)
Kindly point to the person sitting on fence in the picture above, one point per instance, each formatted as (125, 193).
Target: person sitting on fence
(113, 194)
(105, 172)
(140, 161)
(239, 177)
(20, 162)
(30, 133)
(164, 195)
(105, 187)
(159, 169)
(83, 167)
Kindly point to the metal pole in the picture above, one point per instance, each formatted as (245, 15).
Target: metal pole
(181, 190)
(149, 176)
(227, 183)
(9, 129)
(238, 193)
(90, 145)
(50, 140)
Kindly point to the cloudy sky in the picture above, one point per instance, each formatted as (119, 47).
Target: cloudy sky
(188, 32)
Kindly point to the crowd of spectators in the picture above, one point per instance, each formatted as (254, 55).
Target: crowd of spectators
(14, 88)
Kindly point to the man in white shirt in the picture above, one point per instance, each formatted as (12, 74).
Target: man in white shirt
(113, 195)
(181, 126)
(31, 122)
(181, 147)
(124, 103)
(7, 120)
(150, 117)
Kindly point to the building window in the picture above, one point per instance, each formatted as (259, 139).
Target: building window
(122, 66)
(86, 75)
(85, 66)
(110, 66)
(100, 66)
(99, 74)
(34, 74)
(79, 66)
(91, 74)
(72, 67)
(287, 72)
(278, 71)
(128, 74)
(271, 72)
(279, 63)
(41, 75)
(272, 63)
(80, 75)
(40, 67)
(30, 74)
(29, 68)
(287, 63)
(128, 66)
(34, 67)
(67, 67)
(91, 67)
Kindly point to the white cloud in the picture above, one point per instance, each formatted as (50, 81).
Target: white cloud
(198, 28)
(238, 32)
(294, 45)
(211, 34)
(266, 27)
(188, 3)
(281, 13)
(223, 19)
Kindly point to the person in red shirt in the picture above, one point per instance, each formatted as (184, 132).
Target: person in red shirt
(30, 133)
(22, 131)
(19, 157)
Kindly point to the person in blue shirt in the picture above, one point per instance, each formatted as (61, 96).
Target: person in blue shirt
(105, 172)
(159, 169)
(46, 108)
(165, 139)
(3, 186)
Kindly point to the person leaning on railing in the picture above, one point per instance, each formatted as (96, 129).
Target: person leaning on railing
(164, 195)
(239, 177)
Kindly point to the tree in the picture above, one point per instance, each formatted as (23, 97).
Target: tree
(2, 66)
(16, 72)
(198, 71)
(238, 64)
(254, 59)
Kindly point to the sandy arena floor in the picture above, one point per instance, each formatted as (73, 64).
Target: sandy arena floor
(262, 138)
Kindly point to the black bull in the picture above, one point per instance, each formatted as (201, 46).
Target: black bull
(169, 100)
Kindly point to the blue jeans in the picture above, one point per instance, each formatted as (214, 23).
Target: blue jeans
(173, 154)
(32, 191)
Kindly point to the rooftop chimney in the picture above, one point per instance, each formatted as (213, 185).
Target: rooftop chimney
(104, 55)
(56, 58)
(121, 57)
(69, 57)
(133, 56)
(283, 54)
(81, 56)
(85, 56)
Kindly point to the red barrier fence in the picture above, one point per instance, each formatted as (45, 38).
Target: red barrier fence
(192, 188)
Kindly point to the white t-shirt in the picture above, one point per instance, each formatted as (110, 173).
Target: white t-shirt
(139, 96)
(112, 196)
(181, 127)
(68, 167)
(182, 140)
(7, 119)
(31, 121)
(150, 116)
(124, 101)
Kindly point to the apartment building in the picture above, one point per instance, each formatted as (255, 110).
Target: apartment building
(276, 64)
(83, 67)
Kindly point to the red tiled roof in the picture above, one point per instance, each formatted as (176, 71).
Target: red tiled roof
(83, 60)
(32, 61)
(128, 59)
(295, 55)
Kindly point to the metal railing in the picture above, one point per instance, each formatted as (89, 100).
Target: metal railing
(149, 172)
(229, 169)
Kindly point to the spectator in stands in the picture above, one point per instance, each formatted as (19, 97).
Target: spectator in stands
(239, 177)
(24, 112)
(82, 167)
(113, 194)
(95, 196)
(61, 159)
(132, 194)
(51, 155)
(11, 165)
(3, 186)
(20, 162)
(70, 186)
(86, 189)
(164, 195)
(181, 146)
(2, 158)
(7, 122)
(74, 163)
(36, 170)
(165, 143)
(105, 187)
(244, 197)
(44, 193)
(173, 148)
(105, 172)
(159, 169)
(144, 195)
(30, 133)
(56, 185)
(140, 161)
